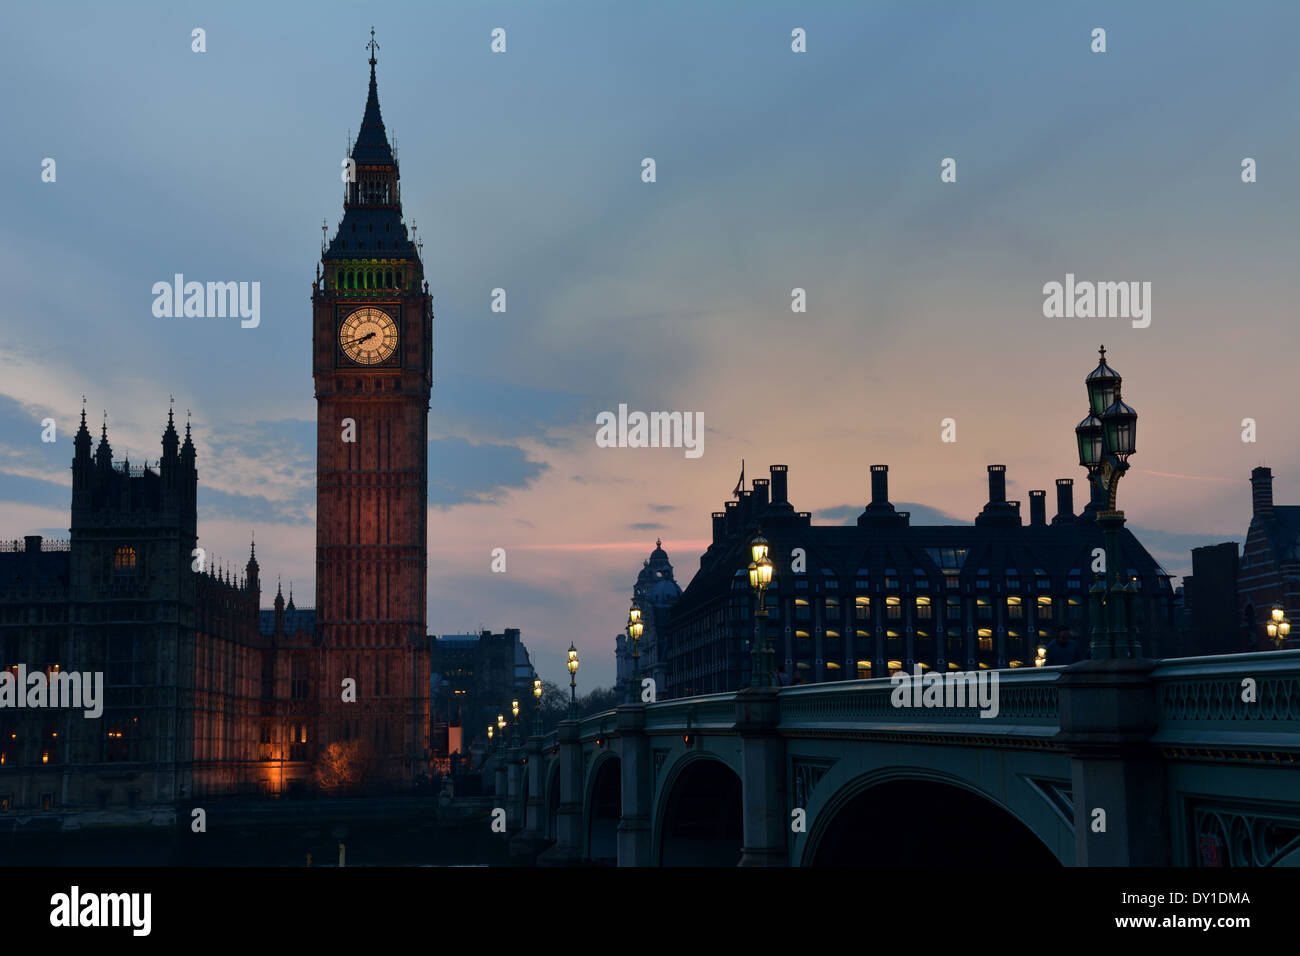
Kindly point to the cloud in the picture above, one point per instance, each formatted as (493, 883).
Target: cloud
(461, 472)
(647, 526)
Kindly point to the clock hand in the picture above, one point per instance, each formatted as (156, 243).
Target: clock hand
(368, 335)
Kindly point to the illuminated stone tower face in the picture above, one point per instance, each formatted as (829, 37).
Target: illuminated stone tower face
(372, 364)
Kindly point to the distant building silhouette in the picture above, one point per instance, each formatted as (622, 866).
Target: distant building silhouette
(655, 592)
(1211, 623)
(1270, 565)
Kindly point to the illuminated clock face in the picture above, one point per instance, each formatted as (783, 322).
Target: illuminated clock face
(368, 336)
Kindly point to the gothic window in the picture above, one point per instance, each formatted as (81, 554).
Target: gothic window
(124, 560)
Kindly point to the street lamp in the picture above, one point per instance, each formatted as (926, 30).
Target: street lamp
(1106, 438)
(537, 709)
(634, 631)
(760, 576)
(514, 725)
(501, 737)
(572, 665)
(1278, 627)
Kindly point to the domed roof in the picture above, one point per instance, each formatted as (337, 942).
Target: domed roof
(659, 554)
(665, 592)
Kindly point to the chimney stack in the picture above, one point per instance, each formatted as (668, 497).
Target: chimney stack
(1038, 508)
(997, 484)
(880, 484)
(779, 490)
(1064, 500)
(732, 511)
(1261, 493)
(719, 526)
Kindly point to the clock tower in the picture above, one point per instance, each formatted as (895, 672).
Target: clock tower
(372, 327)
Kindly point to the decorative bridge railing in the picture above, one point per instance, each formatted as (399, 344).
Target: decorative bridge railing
(1231, 700)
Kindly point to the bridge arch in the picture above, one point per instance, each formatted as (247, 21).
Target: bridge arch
(932, 819)
(603, 802)
(699, 813)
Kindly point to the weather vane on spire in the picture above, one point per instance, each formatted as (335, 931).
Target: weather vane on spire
(373, 46)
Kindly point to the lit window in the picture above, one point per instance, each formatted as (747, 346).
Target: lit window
(124, 559)
(923, 608)
(862, 607)
(893, 608)
(1015, 608)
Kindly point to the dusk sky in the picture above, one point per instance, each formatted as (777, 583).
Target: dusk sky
(775, 170)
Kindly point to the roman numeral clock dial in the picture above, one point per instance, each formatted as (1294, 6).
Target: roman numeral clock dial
(368, 336)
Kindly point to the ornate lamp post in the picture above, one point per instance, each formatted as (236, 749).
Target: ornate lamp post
(514, 724)
(760, 576)
(1278, 627)
(537, 710)
(1107, 437)
(491, 730)
(634, 631)
(572, 665)
(501, 737)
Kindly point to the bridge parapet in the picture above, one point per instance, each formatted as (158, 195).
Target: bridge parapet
(1023, 697)
(710, 712)
(1231, 706)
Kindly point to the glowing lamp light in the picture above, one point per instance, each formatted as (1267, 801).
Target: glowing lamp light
(514, 707)
(572, 664)
(758, 548)
(537, 687)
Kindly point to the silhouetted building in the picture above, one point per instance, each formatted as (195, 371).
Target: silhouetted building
(131, 595)
(1270, 565)
(478, 676)
(884, 595)
(1210, 622)
(655, 592)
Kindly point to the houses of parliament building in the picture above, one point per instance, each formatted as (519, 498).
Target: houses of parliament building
(205, 694)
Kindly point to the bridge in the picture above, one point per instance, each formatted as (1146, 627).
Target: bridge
(1184, 762)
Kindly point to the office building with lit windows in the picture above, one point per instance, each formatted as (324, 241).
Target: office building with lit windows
(883, 595)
